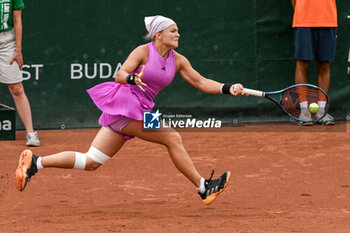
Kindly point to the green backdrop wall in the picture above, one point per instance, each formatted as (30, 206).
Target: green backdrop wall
(70, 46)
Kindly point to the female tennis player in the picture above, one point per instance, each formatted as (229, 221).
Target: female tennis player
(148, 69)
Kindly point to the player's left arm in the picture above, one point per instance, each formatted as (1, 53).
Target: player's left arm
(17, 24)
(206, 85)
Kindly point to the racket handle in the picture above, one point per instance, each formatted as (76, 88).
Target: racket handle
(253, 92)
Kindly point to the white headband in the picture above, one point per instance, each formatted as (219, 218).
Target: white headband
(156, 24)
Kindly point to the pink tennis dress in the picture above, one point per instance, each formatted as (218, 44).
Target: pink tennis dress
(117, 100)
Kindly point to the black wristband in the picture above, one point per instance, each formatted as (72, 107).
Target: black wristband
(225, 89)
(130, 78)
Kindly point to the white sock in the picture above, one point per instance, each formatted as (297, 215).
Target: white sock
(38, 164)
(303, 105)
(201, 188)
(322, 105)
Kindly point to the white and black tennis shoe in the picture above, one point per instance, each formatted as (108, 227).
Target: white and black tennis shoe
(213, 188)
(26, 169)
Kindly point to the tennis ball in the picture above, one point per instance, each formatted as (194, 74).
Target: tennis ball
(313, 107)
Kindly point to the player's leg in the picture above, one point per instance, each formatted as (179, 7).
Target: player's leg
(326, 47)
(301, 77)
(104, 146)
(324, 75)
(301, 71)
(208, 189)
(24, 112)
(22, 105)
(304, 53)
(323, 81)
(173, 142)
(106, 141)
(325, 54)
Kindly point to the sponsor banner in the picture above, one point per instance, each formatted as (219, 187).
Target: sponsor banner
(78, 71)
(7, 123)
(92, 71)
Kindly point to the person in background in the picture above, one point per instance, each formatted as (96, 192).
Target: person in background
(315, 31)
(11, 62)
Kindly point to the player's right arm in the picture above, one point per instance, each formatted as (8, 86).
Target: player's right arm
(206, 85)
(136, 58)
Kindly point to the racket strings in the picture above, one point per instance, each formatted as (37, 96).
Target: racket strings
(291, 99)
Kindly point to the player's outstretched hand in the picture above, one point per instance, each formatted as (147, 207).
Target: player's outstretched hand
(138, 79)
(237, 90)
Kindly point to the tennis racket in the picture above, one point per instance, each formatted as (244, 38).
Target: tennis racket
(289, 99)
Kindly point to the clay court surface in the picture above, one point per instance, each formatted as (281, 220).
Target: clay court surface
(285, 178)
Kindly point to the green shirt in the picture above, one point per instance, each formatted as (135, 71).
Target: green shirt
(6, 8)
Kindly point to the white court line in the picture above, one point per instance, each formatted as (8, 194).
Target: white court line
(348, 17)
